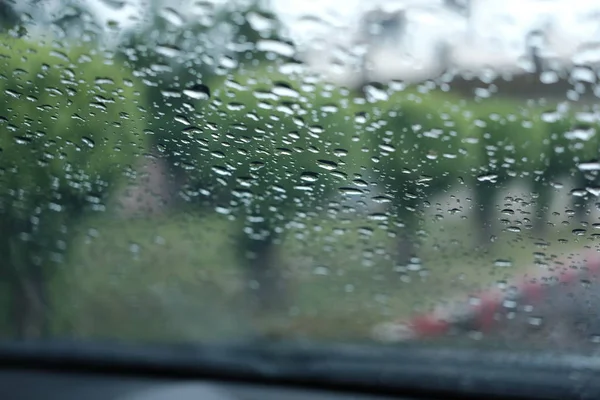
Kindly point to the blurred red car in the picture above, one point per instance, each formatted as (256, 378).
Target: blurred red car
(558, 306)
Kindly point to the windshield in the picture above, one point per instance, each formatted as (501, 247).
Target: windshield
(336, 171)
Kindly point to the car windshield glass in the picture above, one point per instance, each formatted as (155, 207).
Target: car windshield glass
(386, 171)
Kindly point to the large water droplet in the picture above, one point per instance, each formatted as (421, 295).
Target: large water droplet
(487, 178)
(172, 16)
(168, 50)
(309, 176)
(589, 166)
(88, 142)
(198, 92)
(350, 191)
(326, 164)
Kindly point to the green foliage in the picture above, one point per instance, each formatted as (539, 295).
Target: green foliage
(270, 140)
(511, 140)
(438, 136)
(192, 56)
(72, 132)
(72, 125)
(572, 138)
(418, 145)
(9, 18)
(424, 143)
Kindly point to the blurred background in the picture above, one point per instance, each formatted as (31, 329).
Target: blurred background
(294, 169)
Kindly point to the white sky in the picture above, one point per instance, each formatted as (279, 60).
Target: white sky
(495, 36)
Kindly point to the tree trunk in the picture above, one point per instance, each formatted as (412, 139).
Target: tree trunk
(26, 285)
(29, 309)
(580, 204)
(541, 207)
(484, 198)
(266, 283)
(154, 191)
(407, 248)
(407, 215)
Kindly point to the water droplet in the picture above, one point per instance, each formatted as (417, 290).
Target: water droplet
(340, 152)
(134, 248)
(321, 271)
(387, 148)
(503, 263)
(535, 321)
(366, 231)
(183, 119)
(277, 47)
(381, 199)
(198, 92)
(594, 191)
(378, 217)
(168, 50)
(331, 109)
(88, 142)
(220, 170)
(350, 191)
(223, 210)
(12, 93)
(589, 166)
(487, 178)
(22, 140)
(172, 16)
(581, 134)
(375, 94)
(309, 176)
(360, 183)
(474, 301)
(104, 81)
(586, 283)
(579, 192)
(284, 90)
(326, 164)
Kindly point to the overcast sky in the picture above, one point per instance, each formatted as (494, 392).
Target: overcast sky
(494, 36)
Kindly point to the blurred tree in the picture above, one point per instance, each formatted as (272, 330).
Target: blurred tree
(70, 140)
(183, 59)
(9, 17)
(286, 153)
(179, 56)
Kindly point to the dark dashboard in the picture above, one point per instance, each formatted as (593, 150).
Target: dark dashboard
(258, 370)
(29, 385)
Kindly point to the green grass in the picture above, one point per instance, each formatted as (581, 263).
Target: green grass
(176, 277)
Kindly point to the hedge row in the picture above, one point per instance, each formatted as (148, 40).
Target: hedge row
(269, 139)
(443, 137)
(268, 142)
(258, 130)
